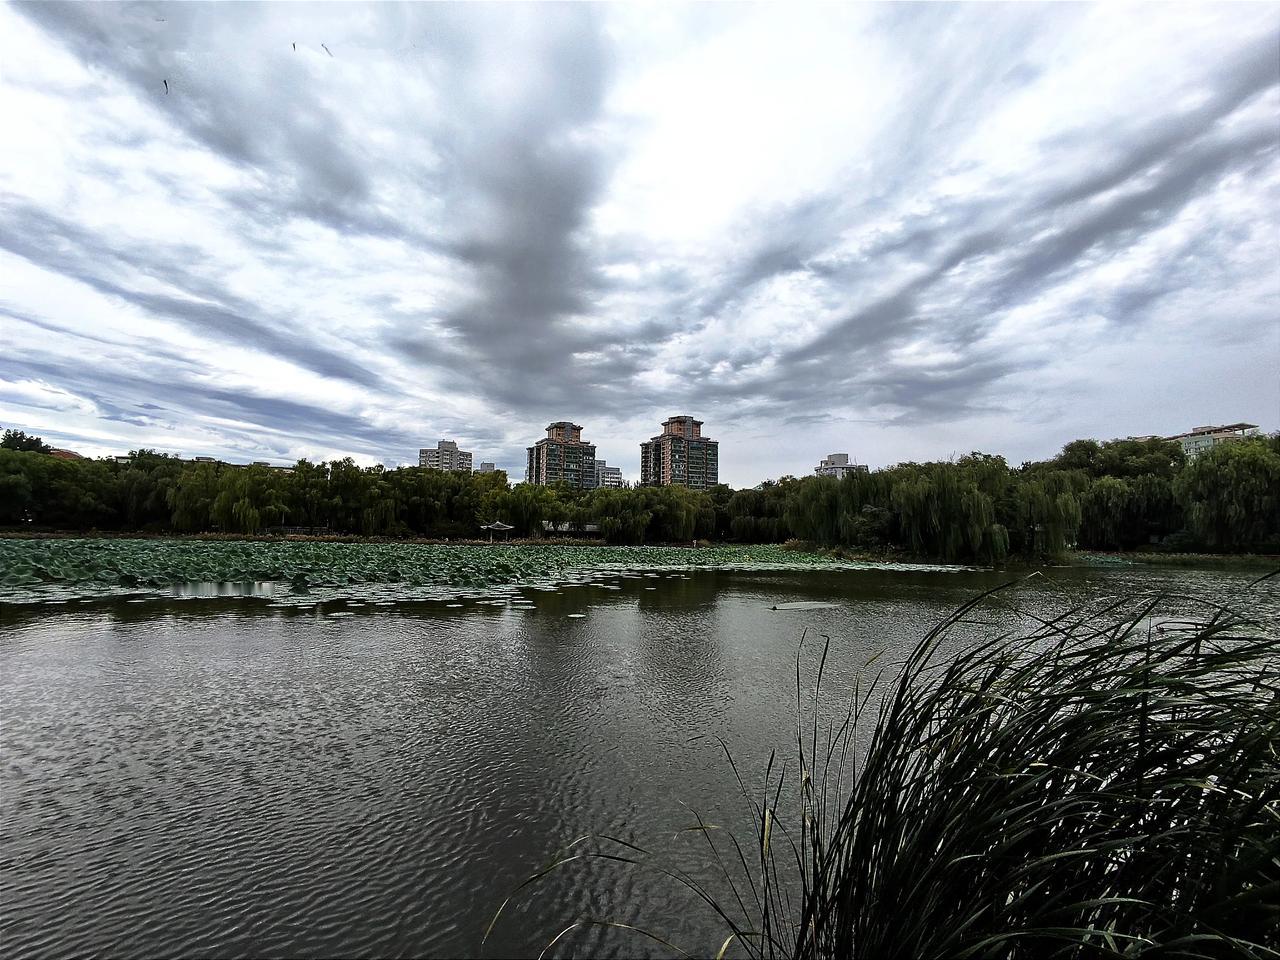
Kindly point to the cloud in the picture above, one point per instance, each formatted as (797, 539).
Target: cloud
(214, 314)
(890, 227)
(1033, 241)
(257, 422)
(523, 173)
(231, 87)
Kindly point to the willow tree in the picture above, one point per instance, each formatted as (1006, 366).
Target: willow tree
(942, 513)
(813, 510)
(1104, 513)
(191, 498)
(1049, 514)
(1231, 495)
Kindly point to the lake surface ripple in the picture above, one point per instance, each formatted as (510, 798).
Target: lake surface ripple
(222, 777)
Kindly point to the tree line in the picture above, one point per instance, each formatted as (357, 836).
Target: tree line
(1117, 495)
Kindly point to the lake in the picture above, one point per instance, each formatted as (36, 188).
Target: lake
(221, 776)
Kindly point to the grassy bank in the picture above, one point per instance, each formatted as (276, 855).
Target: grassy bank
(1211, 561)
(1081, 558)
(1106, 785)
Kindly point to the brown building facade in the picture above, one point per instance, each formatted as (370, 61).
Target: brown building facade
(680, 456)
(562, 456)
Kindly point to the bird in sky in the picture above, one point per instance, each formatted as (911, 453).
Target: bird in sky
(166, 86)
(295, 47)
(327, 50)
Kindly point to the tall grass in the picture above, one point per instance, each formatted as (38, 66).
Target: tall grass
(1105, 784)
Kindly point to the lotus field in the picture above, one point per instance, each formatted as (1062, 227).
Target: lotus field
(42, 569)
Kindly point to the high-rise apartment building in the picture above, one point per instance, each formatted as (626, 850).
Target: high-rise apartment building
(607, 476)
(680, 455)
(485, 467)
(562, 456)
(445, 456)
(837, 465)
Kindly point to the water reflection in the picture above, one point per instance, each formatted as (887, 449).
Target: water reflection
(245, 588)
(248, 773)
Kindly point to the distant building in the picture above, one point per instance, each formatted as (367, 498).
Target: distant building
(607, 476)
(1200, 439)
(680, 456)
(63, 454)
(562, 456)
(837, 465)
(445, 456)
(485, 467)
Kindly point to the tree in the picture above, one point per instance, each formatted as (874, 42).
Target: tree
(1104, 513)
(1121, 458)
(17, 440)
(191, 499)
(15, 487)
(1049, 514)
(1231, 495)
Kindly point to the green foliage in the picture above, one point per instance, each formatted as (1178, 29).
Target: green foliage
(192, 498)
(1121, 458)
(17, 440)
(944, 514)
(759, 515)
(1231, 495)
(1118, 495)
(65, 494)
(15, 490)
(1050, 512)
(1087, 788)
(1105, 507)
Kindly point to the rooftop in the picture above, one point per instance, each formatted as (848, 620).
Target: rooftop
(1225, 428)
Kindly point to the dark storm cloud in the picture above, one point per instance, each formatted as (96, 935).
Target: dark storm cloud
(526, 173)
(943, 392)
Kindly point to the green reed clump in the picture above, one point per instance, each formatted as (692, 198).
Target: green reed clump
(1105, 785)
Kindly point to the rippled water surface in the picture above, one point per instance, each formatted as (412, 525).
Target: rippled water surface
(228, 776)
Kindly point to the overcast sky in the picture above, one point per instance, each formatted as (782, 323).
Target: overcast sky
(902, 231)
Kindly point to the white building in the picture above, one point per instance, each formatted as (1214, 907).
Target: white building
(485, 467)
(446, 456)
(607, 476)
(837, 465)
(1201, 439)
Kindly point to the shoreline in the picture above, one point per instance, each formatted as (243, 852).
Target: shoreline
(1217, 561)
